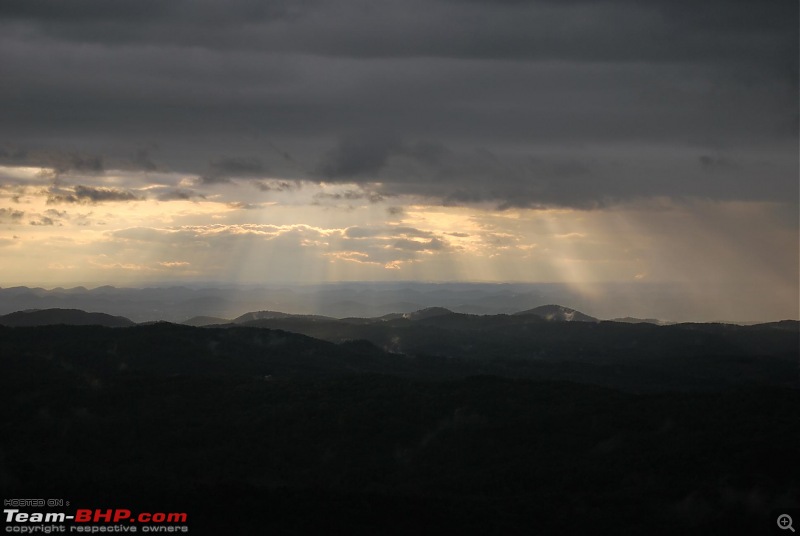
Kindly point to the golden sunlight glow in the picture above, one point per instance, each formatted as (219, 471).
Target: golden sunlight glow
(54, 234)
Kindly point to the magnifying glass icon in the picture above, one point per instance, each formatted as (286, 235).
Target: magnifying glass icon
(785, 522)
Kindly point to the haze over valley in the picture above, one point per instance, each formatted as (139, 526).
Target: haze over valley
(177, 303)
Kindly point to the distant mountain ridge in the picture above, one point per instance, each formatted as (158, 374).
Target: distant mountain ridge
(177, 303)
(429, 312)
(440, 317)
(633, 320)
(70, 317)
(558, 313)
(41, 317)
(270, 315)
(553, 313)
(200, 321)
(635, 357)
(420, 314)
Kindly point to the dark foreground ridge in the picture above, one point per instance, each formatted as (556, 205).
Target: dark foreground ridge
(632, 357)
(589, 428)
(70, 317)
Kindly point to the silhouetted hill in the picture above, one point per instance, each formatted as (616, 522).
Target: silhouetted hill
(270, 315)
(634, 357)
(785, 325)
(633, 320)
(199, 321)
(631, 356)
(429, 312)
(558, 313)
(71, 317)
(419, 314)
(473, 429)
(165, 349)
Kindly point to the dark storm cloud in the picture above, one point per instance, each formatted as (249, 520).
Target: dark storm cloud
(223, 169)
(663, 30)
(414, 95)
(367, 155)
(576, 178)
(142, 160)
(56, 161)
(715, 162)
(89, 195)
(11, 155)
(95, 195)
(179, 194)
(353, 158)
(275, 186)
(75, 162)
(350, 195)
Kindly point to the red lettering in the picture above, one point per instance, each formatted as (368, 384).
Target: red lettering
(83, 515)
(100, 516)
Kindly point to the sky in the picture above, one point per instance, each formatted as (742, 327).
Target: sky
(311, 141)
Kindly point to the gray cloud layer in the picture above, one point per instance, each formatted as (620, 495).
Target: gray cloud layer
(518, 102)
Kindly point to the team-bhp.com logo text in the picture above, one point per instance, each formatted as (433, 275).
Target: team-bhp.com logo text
(151, 521)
